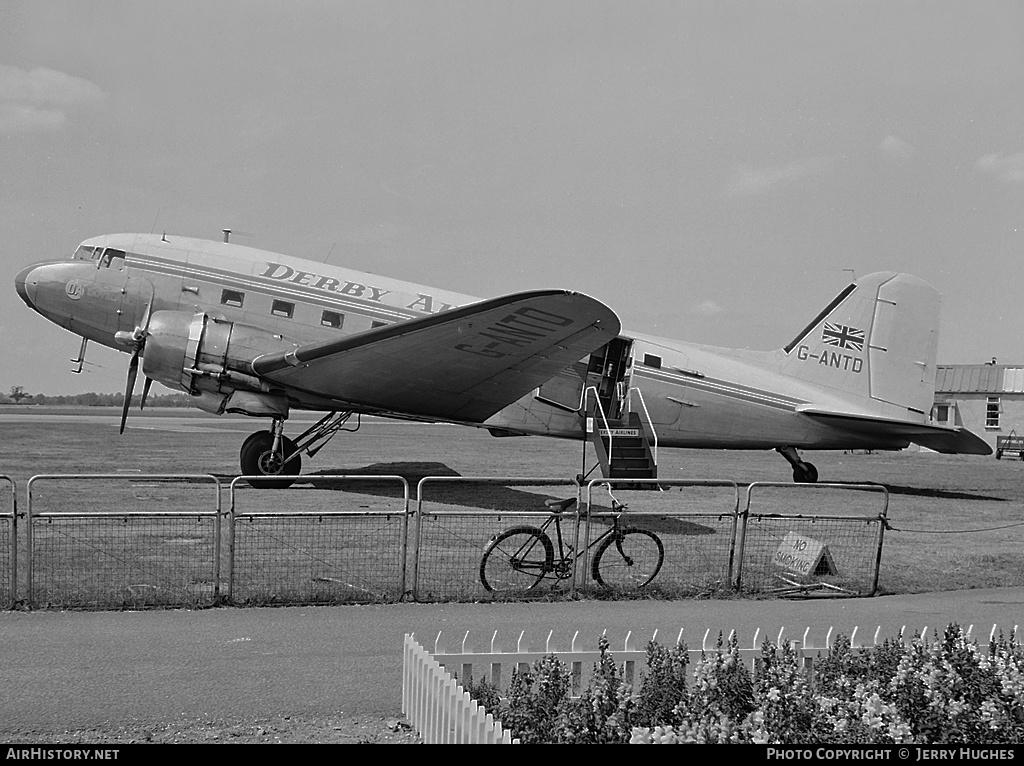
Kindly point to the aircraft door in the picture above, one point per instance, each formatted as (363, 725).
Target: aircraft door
(609, 372)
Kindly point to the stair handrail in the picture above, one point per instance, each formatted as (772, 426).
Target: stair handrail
(600, 409)
(654, 431)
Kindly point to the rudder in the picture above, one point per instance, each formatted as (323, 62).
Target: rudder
(877, 339)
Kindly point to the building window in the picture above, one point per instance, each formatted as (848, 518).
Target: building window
(282, 309)
(232, 298)
(992, 410)
(941, 413)
(332, 319)
(650, 360)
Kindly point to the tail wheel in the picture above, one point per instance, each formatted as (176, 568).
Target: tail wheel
(630, 558)
(516, 560)
(257, 458)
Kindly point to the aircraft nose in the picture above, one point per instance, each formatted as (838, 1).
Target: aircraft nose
(25, 284)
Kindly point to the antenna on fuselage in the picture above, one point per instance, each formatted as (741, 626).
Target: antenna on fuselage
(229, 232)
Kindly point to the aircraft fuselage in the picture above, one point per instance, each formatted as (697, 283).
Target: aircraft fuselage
(688, 392)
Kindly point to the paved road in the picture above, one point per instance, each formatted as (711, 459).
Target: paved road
(83, 669)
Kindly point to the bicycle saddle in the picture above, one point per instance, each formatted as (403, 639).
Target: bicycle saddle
(558, 506)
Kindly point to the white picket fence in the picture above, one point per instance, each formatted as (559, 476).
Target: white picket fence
(441, 710)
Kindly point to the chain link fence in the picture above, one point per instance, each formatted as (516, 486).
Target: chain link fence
(695, 520)
(8, 543)
(812, 538)
(457, 517)
(347, 544)
(132, 541)
(135, 541)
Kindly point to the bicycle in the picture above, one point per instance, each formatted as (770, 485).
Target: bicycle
(517, 559)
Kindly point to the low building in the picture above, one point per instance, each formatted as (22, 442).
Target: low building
(987, 399)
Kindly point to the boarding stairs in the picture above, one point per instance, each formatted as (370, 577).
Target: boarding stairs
(618, 423)
(623, 447)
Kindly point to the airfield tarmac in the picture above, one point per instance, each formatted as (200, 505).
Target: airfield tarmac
(98, 670)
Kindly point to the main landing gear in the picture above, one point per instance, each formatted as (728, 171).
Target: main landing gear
(803, 473)
(272, 454)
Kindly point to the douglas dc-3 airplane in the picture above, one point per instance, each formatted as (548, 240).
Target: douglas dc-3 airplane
(249, 331)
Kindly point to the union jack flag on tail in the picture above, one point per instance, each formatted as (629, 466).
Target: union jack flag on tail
(843, 336)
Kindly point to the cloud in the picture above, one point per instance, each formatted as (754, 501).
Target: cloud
(19, 117)
(747, 181)
(897, 148)
(1008, 168)
(706, 309)
(35, 99)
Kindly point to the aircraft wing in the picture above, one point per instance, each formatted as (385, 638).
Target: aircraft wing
(939, 438)
(464, 364)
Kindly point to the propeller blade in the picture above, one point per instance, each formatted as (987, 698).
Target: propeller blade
(133, 371)
(145, 393)
(147, 315)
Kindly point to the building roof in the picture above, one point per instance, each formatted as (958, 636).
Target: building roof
(979, 379)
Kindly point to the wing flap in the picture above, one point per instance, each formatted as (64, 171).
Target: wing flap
(464, 364)
(950, 441)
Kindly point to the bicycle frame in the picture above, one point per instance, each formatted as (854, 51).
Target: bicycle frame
(565, 564)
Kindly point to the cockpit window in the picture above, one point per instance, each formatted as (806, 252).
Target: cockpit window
(113, 258)
(83, 253)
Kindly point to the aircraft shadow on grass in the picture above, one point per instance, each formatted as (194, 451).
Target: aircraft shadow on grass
(944, 494)
(475, 495)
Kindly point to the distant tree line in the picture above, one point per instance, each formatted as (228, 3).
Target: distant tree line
(18, 395)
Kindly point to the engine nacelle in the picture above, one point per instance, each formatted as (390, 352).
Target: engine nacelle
(210, 359)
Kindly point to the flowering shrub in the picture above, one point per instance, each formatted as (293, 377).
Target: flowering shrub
(945, 691)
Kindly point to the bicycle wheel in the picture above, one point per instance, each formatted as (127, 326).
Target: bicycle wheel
(516, 560)
(629, 558)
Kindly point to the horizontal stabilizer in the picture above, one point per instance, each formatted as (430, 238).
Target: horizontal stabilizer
(952, 441)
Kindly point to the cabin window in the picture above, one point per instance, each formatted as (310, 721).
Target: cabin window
(232, 298)
(282, 309)
(113, 258)
(83, 253)
(992, 410)
(332, 319)
(650, 360)
(375, 324)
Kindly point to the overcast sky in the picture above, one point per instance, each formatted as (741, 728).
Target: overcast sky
(714, 171)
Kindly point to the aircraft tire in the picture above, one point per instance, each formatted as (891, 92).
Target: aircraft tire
(805, 473)
(254, 461)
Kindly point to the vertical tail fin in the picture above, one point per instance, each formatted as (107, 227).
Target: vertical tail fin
(877, 340)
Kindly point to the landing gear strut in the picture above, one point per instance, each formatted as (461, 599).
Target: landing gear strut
(803, 473)
(272, 454)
